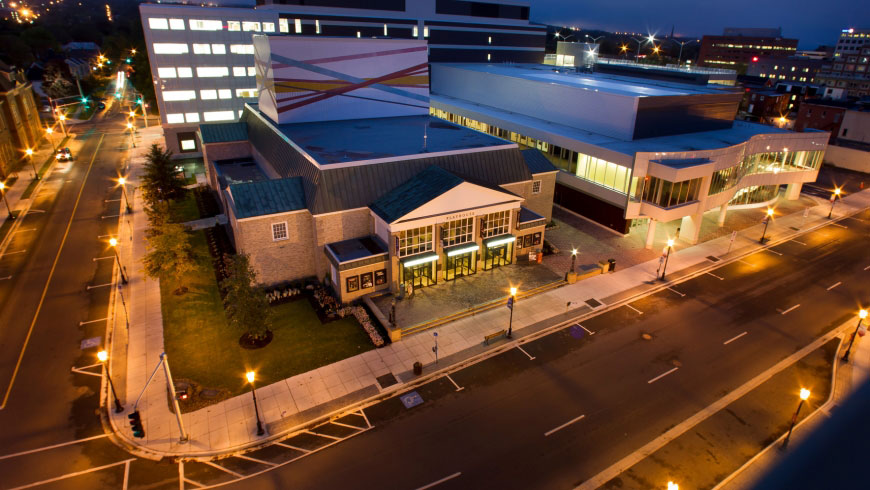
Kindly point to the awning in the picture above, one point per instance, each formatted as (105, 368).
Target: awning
(419, 259)
(461, 249)
(499, 240)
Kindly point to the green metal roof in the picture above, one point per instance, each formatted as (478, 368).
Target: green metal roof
(537, 162)
(267, 197)
(223, 132)
(415, 192)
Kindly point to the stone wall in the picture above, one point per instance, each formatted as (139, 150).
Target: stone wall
(542, 202)
(281, 260)
(335, 227)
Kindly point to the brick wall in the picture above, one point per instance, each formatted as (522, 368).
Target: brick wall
(335, 227)
(541, 203)
(282, 260)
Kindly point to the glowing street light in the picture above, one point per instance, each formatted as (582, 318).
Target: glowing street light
(861, 316)
(103, 356)
(122, 181)
(250, 375)
(131, 128)
(113, 242)
(673, 486)
(573, 259)
(8, 209)
(834, 197)
(29, 153)
(766, 220)
(667, 256)
(804, 395)
(510, 304)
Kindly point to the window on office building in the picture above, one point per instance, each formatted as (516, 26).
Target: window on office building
(665, 194)
(212, 71)
(176, 24)
(218, 116)
(185, 72)
(425, 31)
(283, 25)
(206, 25)
(239, 71)
(457, 231)
(252, 71)
(201, 49)
(170, 48)
(495, 224)
(279, 231)
(250, 26)
(225, 93)
(415, 240)
(268, 27)
(317, 27)
(415, 32)
(166, 72)
(297, 26)
(191, 117)
(219, 49)
(246, 92)
(158, 23)
(175, 118)
(242, 48)
(178, 95)
(234, 25)
(208, 94)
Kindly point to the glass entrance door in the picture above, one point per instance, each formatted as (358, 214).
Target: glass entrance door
(419, 276)
(498, 256)
(460, 265)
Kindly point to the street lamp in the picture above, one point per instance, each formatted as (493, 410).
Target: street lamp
(103, 356)
(594, 39)
(130, 127)
(250, 376)
(673, 486)
(8, 209)
(122, 182)
(113, 242)
(573, 259)
(834, 197)
(510, 304)
(805, 393)
(49, 132)
(680, 57)
(861, 316)
(766, 221)
(29, 153)
(667, 256)
(62, 118)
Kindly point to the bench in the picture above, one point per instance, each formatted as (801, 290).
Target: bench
(491, 336)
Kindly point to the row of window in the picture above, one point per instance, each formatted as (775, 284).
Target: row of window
(456, 232)
(187, 72)
(208, 116)
(753, 46)
(159, 23)
(182, 48)
(665, 194)
(765, 162)
(209, 94)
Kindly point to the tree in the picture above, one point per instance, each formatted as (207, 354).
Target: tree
(161, 181)
(246, 306)
(55, 85)
(170, 254)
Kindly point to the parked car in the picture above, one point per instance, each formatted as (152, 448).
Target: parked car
(63, 155)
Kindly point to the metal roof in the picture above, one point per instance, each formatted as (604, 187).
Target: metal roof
(223, 132)
(527, 215)
(419, 190)
(537, 162)
(267, 197)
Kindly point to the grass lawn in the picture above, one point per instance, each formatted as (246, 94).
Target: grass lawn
(202, 348)
(184, 209)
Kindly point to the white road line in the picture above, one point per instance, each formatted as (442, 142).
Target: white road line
(732, 339)
(633, 308)
(103, 258)
(772, 251)
(838, 224)
(198, 485)
(745, 262)
(590, 332)
(255, 460)
(70, 475)
(832, 286)
(660, 376)
(223, 469)
(526, 353)
(110, 216)
(675, 291)
(100, 286)
(800, 243)
(566, 424)
(288, 446)
(454, 475)
(363, 414)
(112, 200)
(788, 310)
(347, 425)
(866, 268)
(13, 253)
(717, 277)
(327, 436)
(93, 321)
(31, 210)
(126, 474)
(46, 448)
(26, 229)
(4, 278)
(458, 388)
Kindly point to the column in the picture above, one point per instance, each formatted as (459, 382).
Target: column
(722, 211)
(690, 228)
(793, 191)
(650, 234)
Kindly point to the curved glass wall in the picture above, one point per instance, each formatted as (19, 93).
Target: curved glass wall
(754, 194)
(765, 162)
(666, 194)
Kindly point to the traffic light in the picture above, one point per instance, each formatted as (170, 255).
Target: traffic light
(108, 62)
(136, 424)
(139, 101)
(128, 60)
(117, 95)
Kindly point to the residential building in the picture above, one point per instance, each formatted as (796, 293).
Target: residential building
(665, 151)
(791, 69)
(850, 134)
(202, 58)
(742, 45)
(20, 127)
(847, 75)
(822, 115)
(356, 184)
(850, 42)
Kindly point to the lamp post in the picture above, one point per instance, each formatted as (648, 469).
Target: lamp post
(766, 221)
(122, 181)
(667, 256)
(673, 486)
(49, 132)
(573, 260)
(103, 356)
(680, 57)
(861, 316)
(113, 242)
(639, 44)
(8, 209)
(250, 375)
(834, 197)
(132, 142)
(62, 118)
(511, 303)
(29, 153)
(805, 393)
(594, 39)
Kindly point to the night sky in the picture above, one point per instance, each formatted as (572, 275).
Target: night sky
(811, 21)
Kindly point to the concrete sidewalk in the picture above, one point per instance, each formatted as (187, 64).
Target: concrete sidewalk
(230, 426)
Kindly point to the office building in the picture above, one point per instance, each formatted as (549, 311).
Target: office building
(743, 45)
(631, 152)
(354, 183)
(850, 43)
(790, 69)
(202, 58)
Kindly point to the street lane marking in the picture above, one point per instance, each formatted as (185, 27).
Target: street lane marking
(458, 388)
(714, 275)
(732, 339)
(126, 474)
(800, 243)
(110, 216)
(633, 308)
(100, 286)
(334, 438)
(46, 448)
(590, 332)
(288, 446)
(660, 376)
(745, 262)
(26, 229)
(675, 291)
(242, 456)
(13, 253)
(454, 475)
(566, 424)
(832, 286)
(790, 309)
(77, 473)
(347, 425)
(93, 321)
(50, 276)
(526, 353)
(104, 258)
(838, 224)
(223, 469)
(772, 251)
(112, 200)
(31, 210)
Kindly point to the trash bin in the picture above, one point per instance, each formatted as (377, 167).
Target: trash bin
(612, 263)
(418, 368)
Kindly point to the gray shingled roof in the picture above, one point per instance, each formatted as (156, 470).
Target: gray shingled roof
(267, 197)
(223, 132)
(537, 162)
(419, 190)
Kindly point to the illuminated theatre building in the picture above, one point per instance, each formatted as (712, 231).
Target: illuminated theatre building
(632, 151)
(339, 172)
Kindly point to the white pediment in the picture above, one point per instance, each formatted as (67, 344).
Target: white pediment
(464, 200)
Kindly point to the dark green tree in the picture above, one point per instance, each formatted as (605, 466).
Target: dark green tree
(246, 305)
(161, 182)
(170, 255)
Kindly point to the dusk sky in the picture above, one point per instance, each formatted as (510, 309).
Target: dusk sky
(811, 21)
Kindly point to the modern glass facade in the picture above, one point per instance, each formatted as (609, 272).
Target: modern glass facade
(667, 194)
(765, 162)
(754, 194)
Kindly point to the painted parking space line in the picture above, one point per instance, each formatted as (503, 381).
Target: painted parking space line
(25, 230)
(77, 473)
(838, 224)
(590, 332)
(219, 467)
(458, 388)
(100, 285)
(566, 424)
(110, 216)
(682, 295)
(788, 310)
(531, 358)
(732, 339)
(438, 482)
(773, 251)
(255, 460)
(660, 376)
(633, 308)
(13, 253)
(104, 258)
(714, 275)
(288, 446)
(745, 262)
(93, 321)
(5, 278)
(799, 243)
(112, 200)
(46, 448)
(31, 210)
(832, 286)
